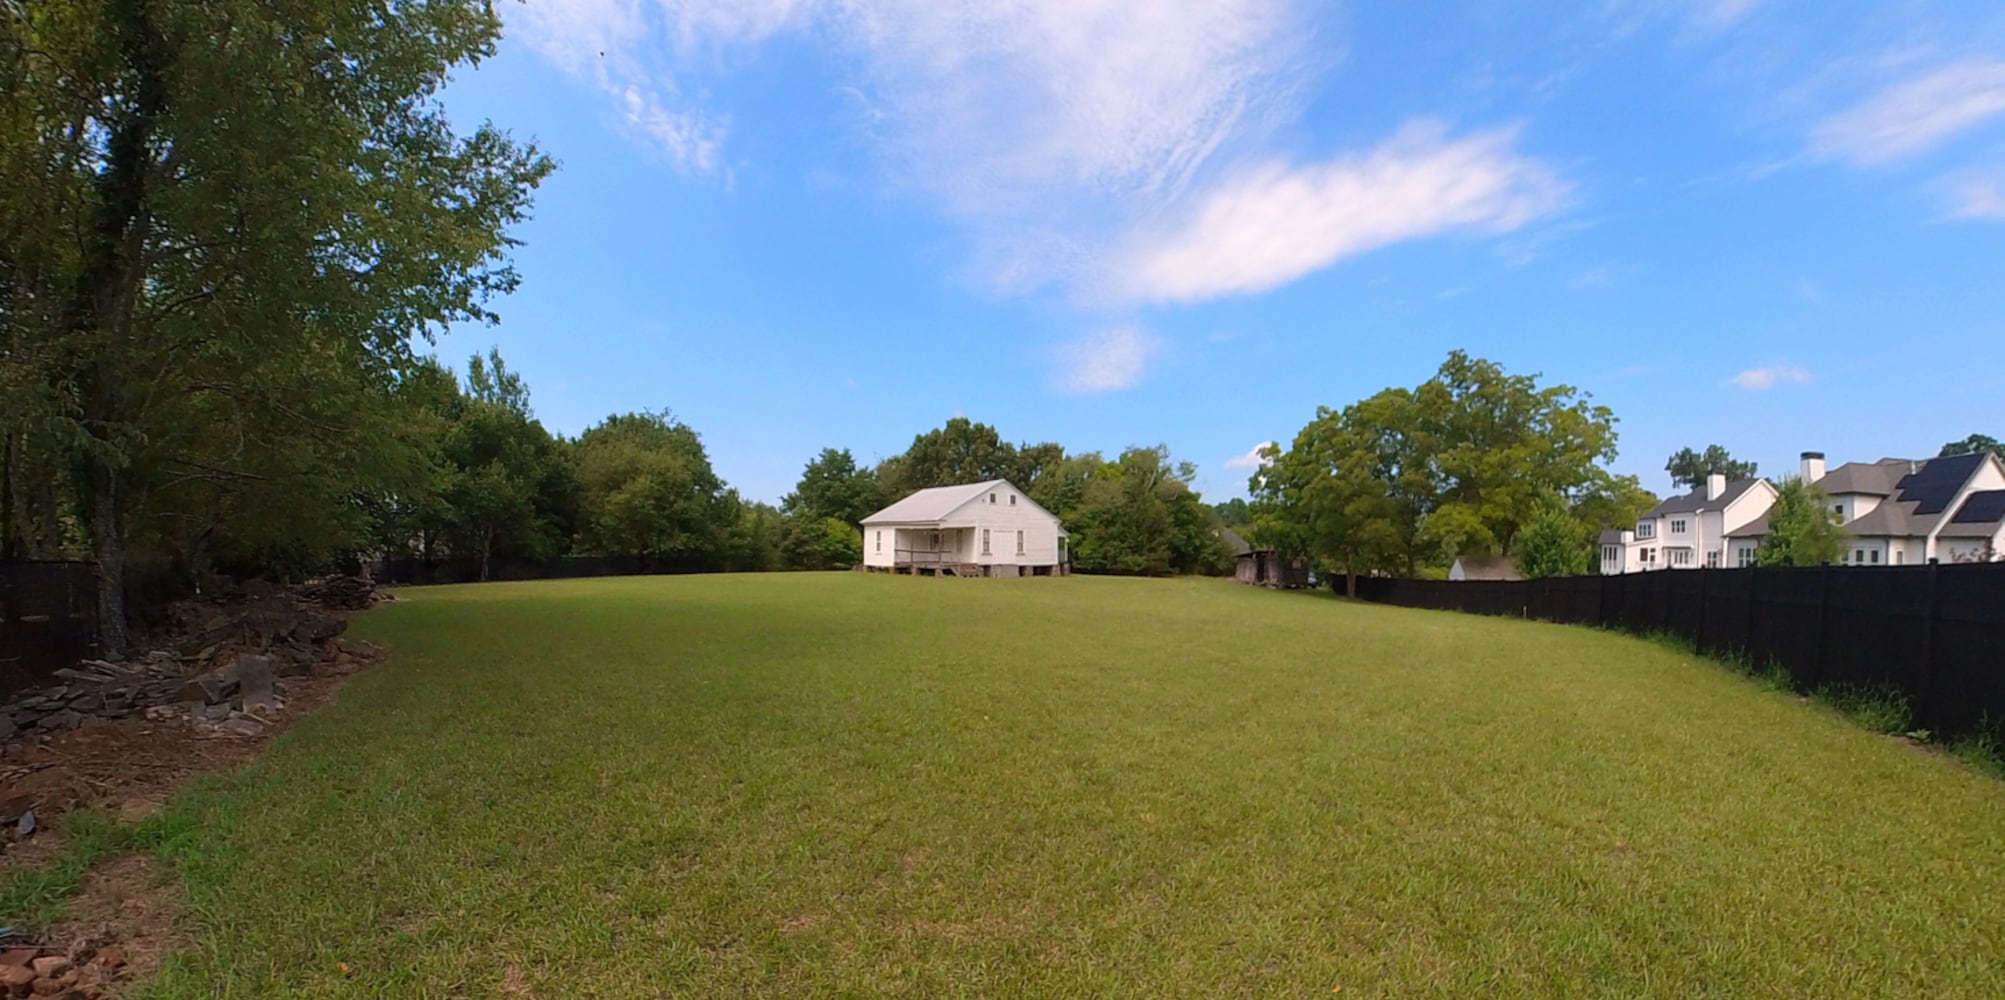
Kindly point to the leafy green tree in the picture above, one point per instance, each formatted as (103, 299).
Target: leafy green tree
(1139, 516)
(962, 451)
(828, 543)
(219, 241)
(1973, 443)
(1802, 528)
(1689, 468)
(833, 486)
(1234, 513)
(1553, 544)
(1406, 479)
(648, 490)
(753, 543)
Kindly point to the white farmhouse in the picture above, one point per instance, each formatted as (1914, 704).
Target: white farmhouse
(1909, 512)
(979, 529)
(1689, 531)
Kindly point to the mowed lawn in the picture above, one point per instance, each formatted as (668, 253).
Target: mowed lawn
(849, 785)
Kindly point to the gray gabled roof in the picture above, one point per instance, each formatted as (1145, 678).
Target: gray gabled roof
(1232, 538)
(1695, 501)
(1757, 528)
(1611, 536)
(933, 504)
(1878, 479)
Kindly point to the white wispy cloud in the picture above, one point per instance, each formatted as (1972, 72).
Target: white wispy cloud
(1250, 460)
(1977, 196)
(1758, 379)
(1106, 360)
(1267, 225)
(1915, 115)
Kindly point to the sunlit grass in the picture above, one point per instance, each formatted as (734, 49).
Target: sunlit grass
(808, 785)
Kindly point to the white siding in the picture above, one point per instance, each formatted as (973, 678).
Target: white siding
(1003, 519)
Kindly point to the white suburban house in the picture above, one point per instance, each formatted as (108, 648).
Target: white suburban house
(1689, 531)
(1903, 511)
(979, 529)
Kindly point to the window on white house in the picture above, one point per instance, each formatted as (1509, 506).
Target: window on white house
(1838, 509)
(1610, 553)
(1012, 499)
(1712, 560)
(1646, 529)
(1678, 527)
(1859, 557)
(880, 541)
(1681, 557)
(1744, 558)
(1019, 543)
(936, 541)
(1875, 556)
(985, 541)
(992, 498)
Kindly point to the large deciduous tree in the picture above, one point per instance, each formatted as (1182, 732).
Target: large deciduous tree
(1689, 468)
(649, 490)
(962, 451)
(221, 225)
(833, 486)
(1410, 478)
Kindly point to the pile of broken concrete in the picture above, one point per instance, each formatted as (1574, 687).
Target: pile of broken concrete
(224, 665)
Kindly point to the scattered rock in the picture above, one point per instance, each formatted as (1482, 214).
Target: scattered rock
(239, 727)
(50, 966)
(15, 978)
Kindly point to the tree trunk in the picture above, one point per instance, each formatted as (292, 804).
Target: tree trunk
(109, 283)
(1350, 582)
(108, 537)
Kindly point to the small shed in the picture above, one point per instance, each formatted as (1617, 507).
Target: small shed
(1267, 568)
(1485, 568)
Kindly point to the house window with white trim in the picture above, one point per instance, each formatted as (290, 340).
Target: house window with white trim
(1858, 557)
(880, 541)
(992, 498)
(1611, 553)
(985, 542)
(1678, 527)
(1712, 560)
(1019, 543)
(1646, 529)
(1744, 557)
(1012, 499)
(1875, 557)
(1681, 557)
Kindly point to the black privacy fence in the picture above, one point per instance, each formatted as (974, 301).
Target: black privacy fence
(1935, 633)
(48, 620)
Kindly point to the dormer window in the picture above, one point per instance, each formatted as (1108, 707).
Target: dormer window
(1646, 529)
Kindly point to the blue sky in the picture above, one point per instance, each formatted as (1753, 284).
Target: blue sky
(1776, 225)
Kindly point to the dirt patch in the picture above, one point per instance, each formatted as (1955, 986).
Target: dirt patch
(122, 921)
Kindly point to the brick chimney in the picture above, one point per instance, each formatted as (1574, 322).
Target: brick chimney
(1813, 466)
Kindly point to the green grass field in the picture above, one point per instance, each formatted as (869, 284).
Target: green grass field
(824, 785)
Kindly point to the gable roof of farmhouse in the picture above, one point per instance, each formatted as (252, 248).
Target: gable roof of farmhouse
(931, 506)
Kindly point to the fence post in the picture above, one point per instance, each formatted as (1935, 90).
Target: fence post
(1929, 612)
(1699, 636)
(1823, 622)
(1747, 637)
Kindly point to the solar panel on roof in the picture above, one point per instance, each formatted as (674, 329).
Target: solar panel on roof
(1931, 487)
(1982, 508)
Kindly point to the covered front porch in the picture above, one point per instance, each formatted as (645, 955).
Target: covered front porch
(933, 551)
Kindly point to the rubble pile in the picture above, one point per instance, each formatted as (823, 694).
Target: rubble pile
(223, 665)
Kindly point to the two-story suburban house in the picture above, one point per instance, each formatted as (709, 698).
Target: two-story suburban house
(1903, 511)
(1689, 531)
